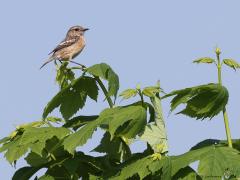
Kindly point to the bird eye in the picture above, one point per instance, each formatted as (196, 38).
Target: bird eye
(76, 29)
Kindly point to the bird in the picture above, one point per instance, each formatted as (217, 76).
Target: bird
(70, 47)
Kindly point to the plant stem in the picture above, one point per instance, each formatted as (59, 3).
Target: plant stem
(141, 95)
(225, 116)
(109, 100)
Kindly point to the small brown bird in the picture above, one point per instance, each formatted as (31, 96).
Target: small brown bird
(70, 47)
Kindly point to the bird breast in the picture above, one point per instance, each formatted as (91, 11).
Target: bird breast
(72, 51)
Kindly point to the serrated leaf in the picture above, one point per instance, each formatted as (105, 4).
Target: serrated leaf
(4, 140)
(116, 148)
(164, 164)
(35, 160)
(64, 75)
(73, 97)
(114, 118)
(186, 173)
(54, 119)
(128, 93)
(32, 138)
(104, 71)
(204, 60)
(71, 165)
(155, 133)
(219, 161)
(14, 150)
(58, 172)
(25, 173)
(145, 166)
(132, 119)
(79, 121)
(231, 63)
(33, 135)
(154, 137)
(81, 136)
(204, 101)
(214, 161)
(138, 167)
(182, 161)
(31, 124)
(151, 91)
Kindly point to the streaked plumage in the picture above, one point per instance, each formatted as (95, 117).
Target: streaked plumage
(70, 47)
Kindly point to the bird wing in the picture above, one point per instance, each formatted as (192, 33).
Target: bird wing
(65, 43)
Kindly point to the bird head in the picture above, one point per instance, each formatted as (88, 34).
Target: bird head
(76, 31)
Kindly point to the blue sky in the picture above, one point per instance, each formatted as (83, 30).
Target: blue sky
(143, 41)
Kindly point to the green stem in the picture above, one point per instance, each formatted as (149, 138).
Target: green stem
(225, 116)
(109, 100)
(141, 95)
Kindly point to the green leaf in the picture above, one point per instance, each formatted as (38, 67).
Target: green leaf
(153, 136)
(128, 93)
(135, 116)
(204, 60)
(79, 138)
(54, 119)
(214, 161)
(35, 160)
(46, 177)
(14, 150)
(155, 132)
(209, 142)
(186, 173)
(73, 97)
(64, 75)
(145, 166)
(231, 63)
(79, 121)
(203, 101)
(206, 143)
(33, 138)
(182, 161)
(116, 148)
(71, 165)
(127, 121)
(138, 167)
(58, 172)
(25, 173)
(4, 140)
(151, 91)
(219, 161)
(104, 71)
(33, 135)
(83, 134)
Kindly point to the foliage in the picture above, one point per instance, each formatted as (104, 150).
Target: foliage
(204, 101)
(73, 97)
(52, 143)
(204, 60)
(231, 63)
(104, 71)
(64, 75)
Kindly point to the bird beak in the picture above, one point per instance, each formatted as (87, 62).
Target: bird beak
(86, 29)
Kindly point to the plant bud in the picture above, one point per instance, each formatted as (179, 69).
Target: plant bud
(138, 87)
(218, 51)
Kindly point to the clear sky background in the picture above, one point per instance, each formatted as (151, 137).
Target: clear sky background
(143, 41)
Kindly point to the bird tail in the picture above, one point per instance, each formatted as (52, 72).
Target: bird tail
(48, 61)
